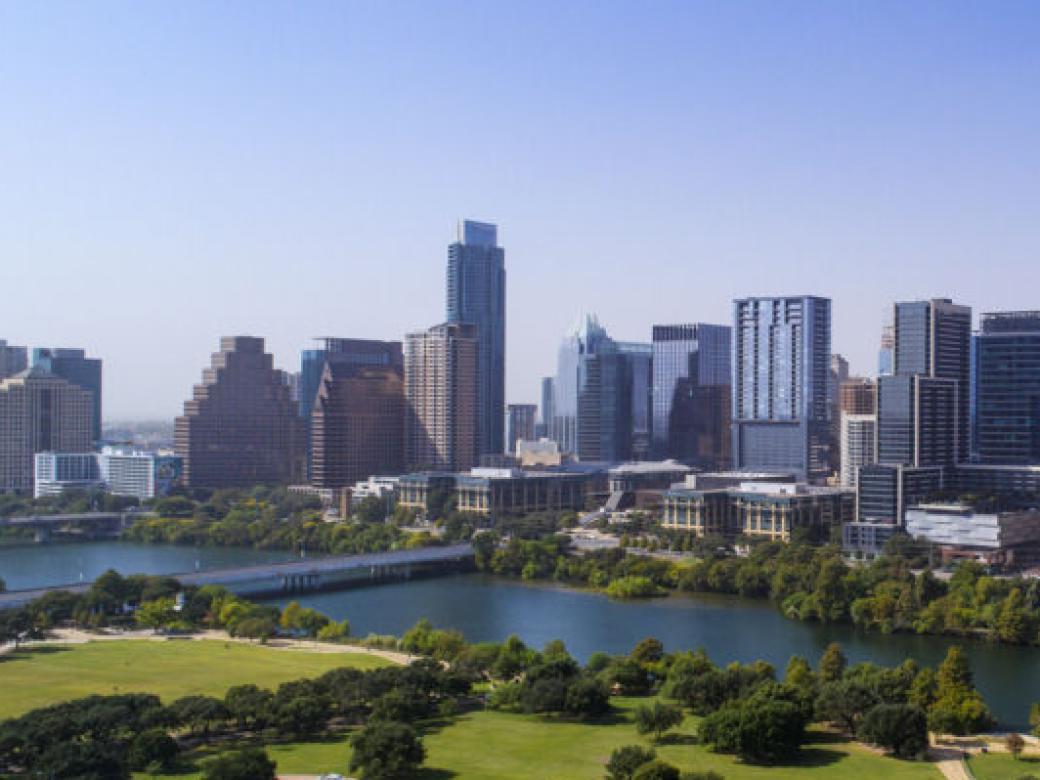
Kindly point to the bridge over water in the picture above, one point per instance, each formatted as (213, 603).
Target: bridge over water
(88, 524)
(283, 579)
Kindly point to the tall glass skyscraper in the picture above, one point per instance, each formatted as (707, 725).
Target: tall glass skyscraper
(476, 294)
(781, 368)
(685, 356)
(1007, 411)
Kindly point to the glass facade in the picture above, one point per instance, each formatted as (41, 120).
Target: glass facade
(1007, 411)
(476, 294)
(781, 361)
(684, 357)
(74, 366)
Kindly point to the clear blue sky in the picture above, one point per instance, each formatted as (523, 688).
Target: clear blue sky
(172, 172)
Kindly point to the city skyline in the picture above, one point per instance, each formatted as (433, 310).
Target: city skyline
(167, 187)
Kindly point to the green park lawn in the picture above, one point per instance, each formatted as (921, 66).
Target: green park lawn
(496, 746)
(1003, 766)
(45, 675)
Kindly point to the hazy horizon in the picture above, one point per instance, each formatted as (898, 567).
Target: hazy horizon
(174, 174)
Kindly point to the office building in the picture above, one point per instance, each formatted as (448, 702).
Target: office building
(885, 490)
(496, 492)
(781, 368)
(357, 422)
(476, 294)
(74, 366)
(441, 388)
(520, 424)
(858, 445)
(56, 472)
(1007, 404)
(933, 339)
(585, 339)
(40, 412)
(545, 411)
(127, 471)
(766, 510)
(12, 359)
(240, 427)
(858, 396)
(691, 381)
(917, 420)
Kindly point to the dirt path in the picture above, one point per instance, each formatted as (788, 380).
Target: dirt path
(75, 636)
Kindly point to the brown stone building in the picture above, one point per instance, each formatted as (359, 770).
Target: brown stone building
(440, 376)
(858, 396)
(357, 426)
(241, 426)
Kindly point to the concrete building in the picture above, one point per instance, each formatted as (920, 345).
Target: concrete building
(74, 366)
(40, 412)
(12, 359)
(240, 427)
(781, 368)
(646, 475)
(995, 538)
(544, 452)
(357, 423)
(839, 375)
(858, 445)
(520, 424)
(762, 510)
(476, 294)
(495, 492)
(440, 377)
(127, 471)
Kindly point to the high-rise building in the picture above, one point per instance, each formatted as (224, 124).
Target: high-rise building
(781, 367)
(857, 401)
(241, 427)
(887, 352)
(40, 412)
(476, 294)
(357, 423)
(546, 411)
(839, 373)
(440, 379)
(585, 339)
(1007, 406)
(917, 416)
(520, 424)
(74, 366)
(12, 359)
(933, 339)
(687, 357)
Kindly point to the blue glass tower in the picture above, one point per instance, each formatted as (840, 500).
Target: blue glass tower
(74, 366)
(1007, 411)
(476, 294)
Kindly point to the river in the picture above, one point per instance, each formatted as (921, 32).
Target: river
(487, 608)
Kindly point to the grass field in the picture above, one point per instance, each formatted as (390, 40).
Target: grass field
(1003, 766)
(45, 675)
(499, 746)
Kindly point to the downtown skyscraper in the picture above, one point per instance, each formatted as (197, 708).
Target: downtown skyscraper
(476, 294)
(781, 369)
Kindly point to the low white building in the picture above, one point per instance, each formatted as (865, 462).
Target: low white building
(121, 471)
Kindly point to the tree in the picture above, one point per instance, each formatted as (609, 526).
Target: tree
(386, 751)
(624, 761)
(648, 651)
(334, 632)
(657, 718)
(83, 761)
(765, 727)
(656, 770)
(1034, 718)
(833, 663)
(1014, 744)
(248, 705)
(199, 713)
(157, 614)
(247, 764)
(958, 707)
(586, 697)
(900, 728)
(261, 628)
(844, 702)
(152, 750)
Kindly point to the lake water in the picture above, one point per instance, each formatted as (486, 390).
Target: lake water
(487, 608)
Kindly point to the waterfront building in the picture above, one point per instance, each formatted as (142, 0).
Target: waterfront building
(990, 537)
(766, 510)
(866, 540)
(496, 492)
(1007, 405)
(426, 492)
(885, 490)
(74, 366)
(12, 359)
(690, 393)
(646, 475)
(40, 412)
(781, 367)
(476, 294)
(56, 472)
(520, 424)
(240, 427)
(440, 377)
(357, 422)
(128, 471)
